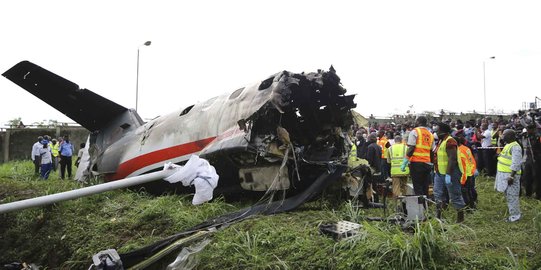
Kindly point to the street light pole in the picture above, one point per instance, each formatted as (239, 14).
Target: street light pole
(137, 79)
(485, 84)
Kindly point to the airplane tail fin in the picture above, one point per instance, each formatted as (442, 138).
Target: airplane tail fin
(85, 107)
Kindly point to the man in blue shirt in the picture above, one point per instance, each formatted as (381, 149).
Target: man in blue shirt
(66, 151)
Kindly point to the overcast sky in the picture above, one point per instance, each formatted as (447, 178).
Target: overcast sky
(392, 54)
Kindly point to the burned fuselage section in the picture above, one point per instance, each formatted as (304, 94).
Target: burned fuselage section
(295, 135)
(239, 133)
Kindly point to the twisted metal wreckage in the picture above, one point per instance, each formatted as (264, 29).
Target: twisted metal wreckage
(287, 133)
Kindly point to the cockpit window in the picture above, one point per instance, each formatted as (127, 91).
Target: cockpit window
(266, 83)
(236, 93)
(187, 110)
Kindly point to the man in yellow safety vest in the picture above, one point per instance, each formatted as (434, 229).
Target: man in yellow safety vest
(395, 156)
(55, 147)
(508, 174)
(447, 174)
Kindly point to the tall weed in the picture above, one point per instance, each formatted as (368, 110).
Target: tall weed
(537, 222)
(428, 246)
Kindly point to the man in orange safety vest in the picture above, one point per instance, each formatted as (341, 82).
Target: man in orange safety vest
(468, 169)
(420, 143)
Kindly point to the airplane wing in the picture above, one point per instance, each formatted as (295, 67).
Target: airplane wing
(85, 107)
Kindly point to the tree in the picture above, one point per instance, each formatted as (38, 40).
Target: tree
(52, 123)
(39, 124)
(46, 123)
(16, 122)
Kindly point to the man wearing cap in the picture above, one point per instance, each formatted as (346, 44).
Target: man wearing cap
(508, 174)
(46, 159)
(447, 174)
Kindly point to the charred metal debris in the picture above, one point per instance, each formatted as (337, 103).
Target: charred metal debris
(306, 114)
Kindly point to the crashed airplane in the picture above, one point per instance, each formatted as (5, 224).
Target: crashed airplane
(281, 133)
(287, 132)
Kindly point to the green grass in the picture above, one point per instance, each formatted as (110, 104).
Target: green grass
(67, 234)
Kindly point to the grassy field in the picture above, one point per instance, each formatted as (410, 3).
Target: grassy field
(67, 234)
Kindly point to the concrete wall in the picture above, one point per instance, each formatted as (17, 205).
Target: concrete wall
(16, 143)
(2, 136)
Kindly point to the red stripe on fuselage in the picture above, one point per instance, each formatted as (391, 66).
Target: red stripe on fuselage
(134, 164)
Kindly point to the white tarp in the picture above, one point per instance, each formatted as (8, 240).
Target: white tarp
(198, 172)
(83, 171)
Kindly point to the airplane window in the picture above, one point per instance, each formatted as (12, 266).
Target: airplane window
(208, 104)
(236, 93)
(266, 83)
(185, 111)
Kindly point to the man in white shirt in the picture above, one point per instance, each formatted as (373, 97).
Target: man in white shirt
(488, 155)
(80, 154)
(36, 158)
(487, 136)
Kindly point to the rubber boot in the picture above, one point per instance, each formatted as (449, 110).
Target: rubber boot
(460, 216)
(472, 206)
(444, 206)
(439, 209)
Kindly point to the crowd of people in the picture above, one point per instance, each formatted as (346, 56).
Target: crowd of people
(50, 155)
(448, 155)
